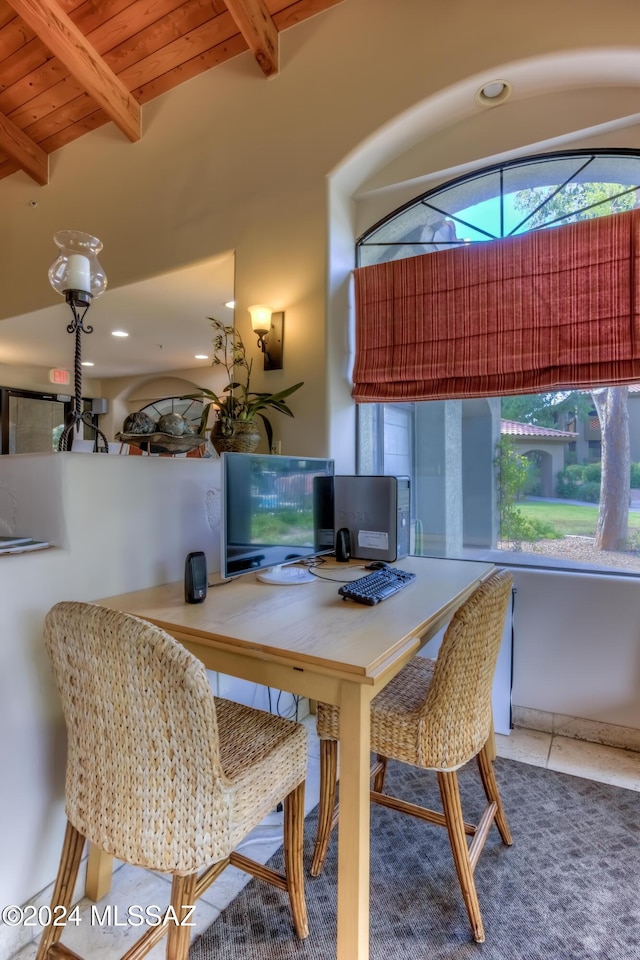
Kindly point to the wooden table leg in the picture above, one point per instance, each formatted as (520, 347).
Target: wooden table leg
(99, 870)
(353, 828)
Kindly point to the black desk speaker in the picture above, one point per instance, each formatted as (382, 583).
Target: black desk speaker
(343, 545)
(195, 577)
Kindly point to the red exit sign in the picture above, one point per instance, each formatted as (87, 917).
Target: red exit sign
(61, 377)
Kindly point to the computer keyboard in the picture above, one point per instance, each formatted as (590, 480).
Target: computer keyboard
(376, 586)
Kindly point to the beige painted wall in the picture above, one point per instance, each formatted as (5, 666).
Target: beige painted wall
(374, 99)
(231, 161)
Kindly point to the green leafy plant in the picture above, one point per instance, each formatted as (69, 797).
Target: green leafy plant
(580, 482)
(236, 401)
(569, 481)
(590, 491)
(593, 472)
(512, 473)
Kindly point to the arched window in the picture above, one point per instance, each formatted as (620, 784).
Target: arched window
(505, 200)
(473, 484)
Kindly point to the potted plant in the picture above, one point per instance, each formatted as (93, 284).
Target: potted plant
(235, 426)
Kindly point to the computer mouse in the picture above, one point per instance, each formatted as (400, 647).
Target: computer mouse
(376, 565)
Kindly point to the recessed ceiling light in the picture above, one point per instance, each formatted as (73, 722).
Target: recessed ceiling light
(88, 363)
(119, 333)
(231, 304)
(494, 92)
(201, 356)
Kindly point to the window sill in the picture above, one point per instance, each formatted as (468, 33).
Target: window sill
(522, 559)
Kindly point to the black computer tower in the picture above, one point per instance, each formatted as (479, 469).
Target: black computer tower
(376, 510)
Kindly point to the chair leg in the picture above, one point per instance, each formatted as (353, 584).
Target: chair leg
(63, 890)
(378, 780)
(328, 780)
(183, 894)
(490, 785)
(448, 784)
(293, 858)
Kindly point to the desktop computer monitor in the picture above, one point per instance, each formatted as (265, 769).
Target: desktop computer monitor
(275, 511)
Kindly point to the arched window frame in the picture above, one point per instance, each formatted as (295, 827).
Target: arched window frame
(487, 184)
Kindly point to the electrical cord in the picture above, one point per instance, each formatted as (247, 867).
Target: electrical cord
(339, 579)
(291, 714)
(314, 562)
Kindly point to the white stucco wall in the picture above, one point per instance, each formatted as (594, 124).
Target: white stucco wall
(577, 648)
(118, 524)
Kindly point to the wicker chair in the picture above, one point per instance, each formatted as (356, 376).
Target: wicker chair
(435, 715)
(160, 773)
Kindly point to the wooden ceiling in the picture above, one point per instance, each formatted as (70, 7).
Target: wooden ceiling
(69, 66)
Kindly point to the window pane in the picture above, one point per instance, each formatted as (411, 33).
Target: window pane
(456, 200)
(521, 475)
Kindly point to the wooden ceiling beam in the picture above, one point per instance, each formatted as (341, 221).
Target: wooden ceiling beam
(260, 32)
(61, 36)
(24, 151)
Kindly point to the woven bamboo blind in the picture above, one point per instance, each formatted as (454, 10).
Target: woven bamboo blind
(550, 309)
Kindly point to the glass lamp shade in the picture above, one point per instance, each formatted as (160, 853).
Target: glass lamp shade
(260, 318)
(76, 268)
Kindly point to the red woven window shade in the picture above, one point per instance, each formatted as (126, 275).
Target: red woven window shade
(551, 309)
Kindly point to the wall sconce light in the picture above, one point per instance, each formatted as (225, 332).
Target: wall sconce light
(77, 275)
(269, 329)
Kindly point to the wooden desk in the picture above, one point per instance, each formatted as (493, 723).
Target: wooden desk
(305, 639)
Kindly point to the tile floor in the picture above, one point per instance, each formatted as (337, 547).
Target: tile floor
(135, 886)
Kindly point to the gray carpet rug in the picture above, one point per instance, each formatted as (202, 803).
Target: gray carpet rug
(568, 889)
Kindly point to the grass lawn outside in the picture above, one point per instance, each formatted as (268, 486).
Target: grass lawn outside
(568, 519)
(573, 543)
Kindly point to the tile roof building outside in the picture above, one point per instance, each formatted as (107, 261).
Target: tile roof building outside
(514, 429)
